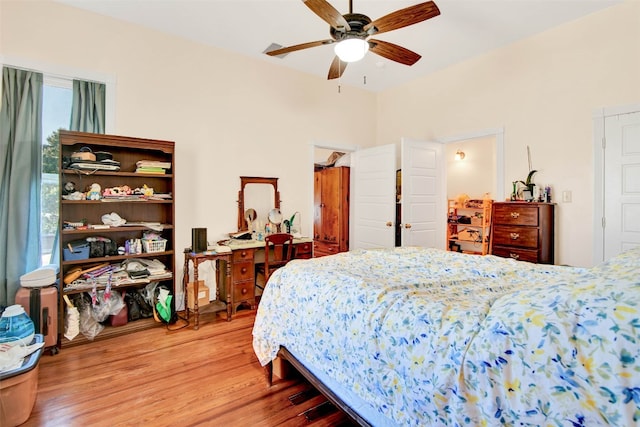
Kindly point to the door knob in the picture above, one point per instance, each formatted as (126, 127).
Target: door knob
(389, 224)
(407, 226)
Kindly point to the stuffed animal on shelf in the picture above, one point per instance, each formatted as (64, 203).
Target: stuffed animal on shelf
(94, 192)
(69, 188)
(145, 190)
(123, 190)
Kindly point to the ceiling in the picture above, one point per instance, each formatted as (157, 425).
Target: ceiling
(464, 29)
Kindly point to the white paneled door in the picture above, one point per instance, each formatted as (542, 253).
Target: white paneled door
(621, 183)
(423, 209)
(373, 199)
(423, 216)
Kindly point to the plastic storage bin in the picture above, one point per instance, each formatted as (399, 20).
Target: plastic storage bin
(18, 389)
(151, 246)
(75, 251)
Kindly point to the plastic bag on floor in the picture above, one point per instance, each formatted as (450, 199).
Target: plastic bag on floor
(106, 305)
(89, 326)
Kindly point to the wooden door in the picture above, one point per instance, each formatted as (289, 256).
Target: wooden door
(331, 204)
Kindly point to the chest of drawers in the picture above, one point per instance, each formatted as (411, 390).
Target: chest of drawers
(243, 278)
(244, 256)
(303, 250)
(523, 231)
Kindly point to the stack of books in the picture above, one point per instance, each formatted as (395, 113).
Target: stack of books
(152, 166)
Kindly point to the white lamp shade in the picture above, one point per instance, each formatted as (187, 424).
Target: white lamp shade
(351, 50)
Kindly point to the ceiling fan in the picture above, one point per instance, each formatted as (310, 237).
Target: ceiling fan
(351, 32)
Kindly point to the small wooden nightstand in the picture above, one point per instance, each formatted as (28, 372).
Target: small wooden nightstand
(217, 304)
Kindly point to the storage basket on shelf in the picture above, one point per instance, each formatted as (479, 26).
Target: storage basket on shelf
(151, 246)
(76, 250)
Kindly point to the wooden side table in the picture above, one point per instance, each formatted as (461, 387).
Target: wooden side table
(218, 304)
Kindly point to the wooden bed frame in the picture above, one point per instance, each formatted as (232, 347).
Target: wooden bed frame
(289, 358)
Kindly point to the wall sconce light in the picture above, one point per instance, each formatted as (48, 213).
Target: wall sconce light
(459, 154)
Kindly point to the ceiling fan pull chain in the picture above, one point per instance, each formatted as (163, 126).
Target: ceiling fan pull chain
(339, 77)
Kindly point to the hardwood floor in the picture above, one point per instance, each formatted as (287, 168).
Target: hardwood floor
(158, 377)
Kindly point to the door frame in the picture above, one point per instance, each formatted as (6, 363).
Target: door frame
(326, 145)
(599, 116)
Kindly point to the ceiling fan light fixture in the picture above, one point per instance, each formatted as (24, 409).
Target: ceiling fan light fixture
(351, 49)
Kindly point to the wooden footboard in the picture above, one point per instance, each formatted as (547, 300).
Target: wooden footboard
(319, 385)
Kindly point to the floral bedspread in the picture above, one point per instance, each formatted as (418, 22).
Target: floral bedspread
(429, 337)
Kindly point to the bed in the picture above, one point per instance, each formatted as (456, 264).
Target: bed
(415, 336)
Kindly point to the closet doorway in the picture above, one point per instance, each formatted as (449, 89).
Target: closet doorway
(481, 169)
(323, 155)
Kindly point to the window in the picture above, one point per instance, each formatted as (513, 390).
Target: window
(56, 113)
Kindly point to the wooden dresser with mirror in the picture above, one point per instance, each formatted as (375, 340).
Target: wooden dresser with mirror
(260, 195)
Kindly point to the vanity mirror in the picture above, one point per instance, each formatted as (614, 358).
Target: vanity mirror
(275, 217)
(258, 194)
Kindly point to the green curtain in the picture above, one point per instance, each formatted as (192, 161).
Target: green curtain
(87, 115)
(87, 108)
(20, 177)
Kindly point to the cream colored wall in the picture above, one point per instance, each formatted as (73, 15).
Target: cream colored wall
(543, 91)
(229, 115)
(475, 174)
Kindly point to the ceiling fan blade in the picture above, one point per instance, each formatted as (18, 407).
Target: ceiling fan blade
(294, 48)
(393, 52)
(328, 13)
(337, 68)
(403, 18)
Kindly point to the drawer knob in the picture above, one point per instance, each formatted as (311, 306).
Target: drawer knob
(243, 270)
(514, 256)
(243, 291)
(515, 236)
(407, 226)
(515, 214)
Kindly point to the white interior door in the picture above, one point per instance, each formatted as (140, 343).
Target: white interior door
(621, 183)
(373, 197)
(423, 210)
